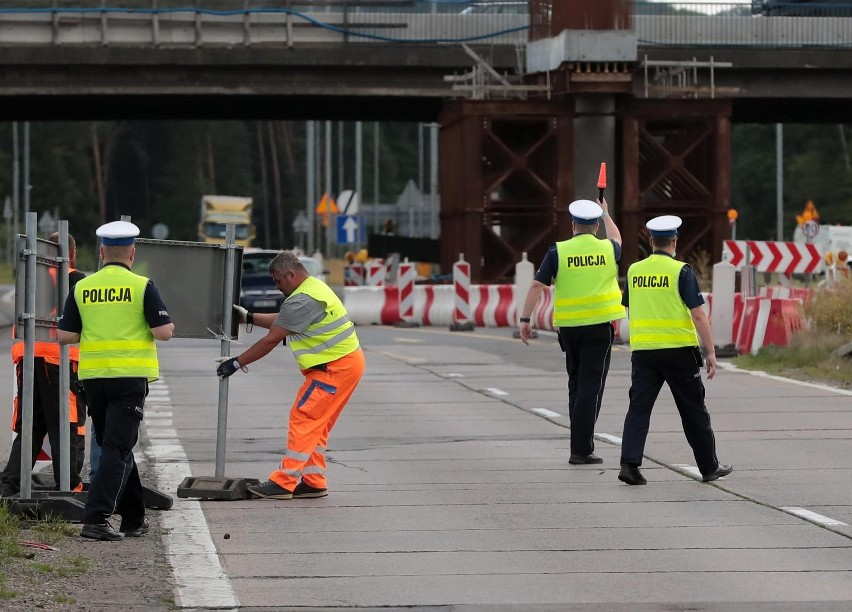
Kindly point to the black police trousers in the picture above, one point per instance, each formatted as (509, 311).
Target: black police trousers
(45, 423)
(115, 405)
(680, 368)
(588, 349)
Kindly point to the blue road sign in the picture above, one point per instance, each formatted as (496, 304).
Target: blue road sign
(350, 229)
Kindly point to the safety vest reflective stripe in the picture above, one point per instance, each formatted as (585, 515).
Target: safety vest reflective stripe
(313, 469)
(115, 345)
(658, 317)
(114, 362)
(586, 291)
(322, 346)
(595, 299)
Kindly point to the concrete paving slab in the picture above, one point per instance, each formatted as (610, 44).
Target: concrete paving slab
(537, 588)
(543, 562)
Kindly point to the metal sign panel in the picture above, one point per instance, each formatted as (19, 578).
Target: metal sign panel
(191, 280)
(47, 293)
(350, 228)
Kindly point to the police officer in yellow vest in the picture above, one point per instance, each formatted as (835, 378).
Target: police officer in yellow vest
(585, 302)
(116, 316)
(316, 325)
(666, 321)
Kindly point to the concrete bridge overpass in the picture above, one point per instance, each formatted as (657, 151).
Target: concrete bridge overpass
(514, 135)
(388, 66)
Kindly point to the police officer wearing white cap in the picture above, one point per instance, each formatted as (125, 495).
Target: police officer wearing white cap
(666, 321)
(116, 316)
(586, 300)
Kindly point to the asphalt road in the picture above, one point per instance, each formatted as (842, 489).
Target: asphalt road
(450, 486)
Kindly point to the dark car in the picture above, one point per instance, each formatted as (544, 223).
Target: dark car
(258, 292)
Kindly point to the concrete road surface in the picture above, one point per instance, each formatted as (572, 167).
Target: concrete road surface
(450, 486)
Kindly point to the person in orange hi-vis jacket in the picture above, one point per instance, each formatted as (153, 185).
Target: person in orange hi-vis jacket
(46, 401)
(315, 324)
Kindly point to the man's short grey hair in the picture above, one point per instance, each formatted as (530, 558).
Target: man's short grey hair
(286, 261)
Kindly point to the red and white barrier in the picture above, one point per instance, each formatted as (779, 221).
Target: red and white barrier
(405, 280)
(781, 257)
(461, 289)
(768, 321)
(757, 321)
(353, 275)
(376, 273)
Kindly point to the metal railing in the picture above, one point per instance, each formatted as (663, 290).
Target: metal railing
(181, 23)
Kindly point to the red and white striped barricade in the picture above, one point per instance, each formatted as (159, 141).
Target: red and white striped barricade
(780, 257)
(353, 275)
(406, 273)
(461, 301)
(376, 274)
(495, 305)
(768, 321)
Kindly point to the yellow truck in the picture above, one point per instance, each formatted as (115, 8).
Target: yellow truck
(217, 211)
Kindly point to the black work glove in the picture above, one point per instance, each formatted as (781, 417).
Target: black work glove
(227, 368)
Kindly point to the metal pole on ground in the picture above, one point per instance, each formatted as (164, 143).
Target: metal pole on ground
(64, 476)
(310, 182)
(28, 315)
(225, 350)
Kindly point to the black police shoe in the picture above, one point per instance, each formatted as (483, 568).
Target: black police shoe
(104, 531)
(723, 470)
(631, 475)
(305, 491)
(136, 532)
(584, 459)
(269, 490)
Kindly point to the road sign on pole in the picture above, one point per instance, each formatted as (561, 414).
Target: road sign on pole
(350, 229)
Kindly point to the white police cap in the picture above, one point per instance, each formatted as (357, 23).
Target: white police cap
(585, 212)
(665, 226)
(117, 233)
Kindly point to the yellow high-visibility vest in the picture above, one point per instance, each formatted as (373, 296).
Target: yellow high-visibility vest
(116, 340)
(658, 317)
(586, 289)
(332, 338)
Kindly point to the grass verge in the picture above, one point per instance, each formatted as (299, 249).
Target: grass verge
(807, 357)
(20, 567)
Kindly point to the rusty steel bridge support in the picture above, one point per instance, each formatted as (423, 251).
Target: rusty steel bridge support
(675, 160)
(506, 175)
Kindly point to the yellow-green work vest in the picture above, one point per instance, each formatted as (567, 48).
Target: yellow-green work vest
(586, 289)
(331, 338)
(116, 341)
(658, 317)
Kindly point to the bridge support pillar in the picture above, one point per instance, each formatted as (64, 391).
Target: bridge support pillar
(506, 180)
(675, 160)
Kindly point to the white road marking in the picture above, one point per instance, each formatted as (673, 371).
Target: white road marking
(546, 412)
(730, 366)
(495, 391)
(453, 375)
(158, 414)
(608, 438)
(200, 581)
(812, 516)
(409, 340)
(690, 469)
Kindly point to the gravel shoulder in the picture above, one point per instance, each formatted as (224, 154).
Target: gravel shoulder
(82, 574)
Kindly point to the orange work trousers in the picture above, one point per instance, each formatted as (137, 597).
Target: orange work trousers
(318, 404)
